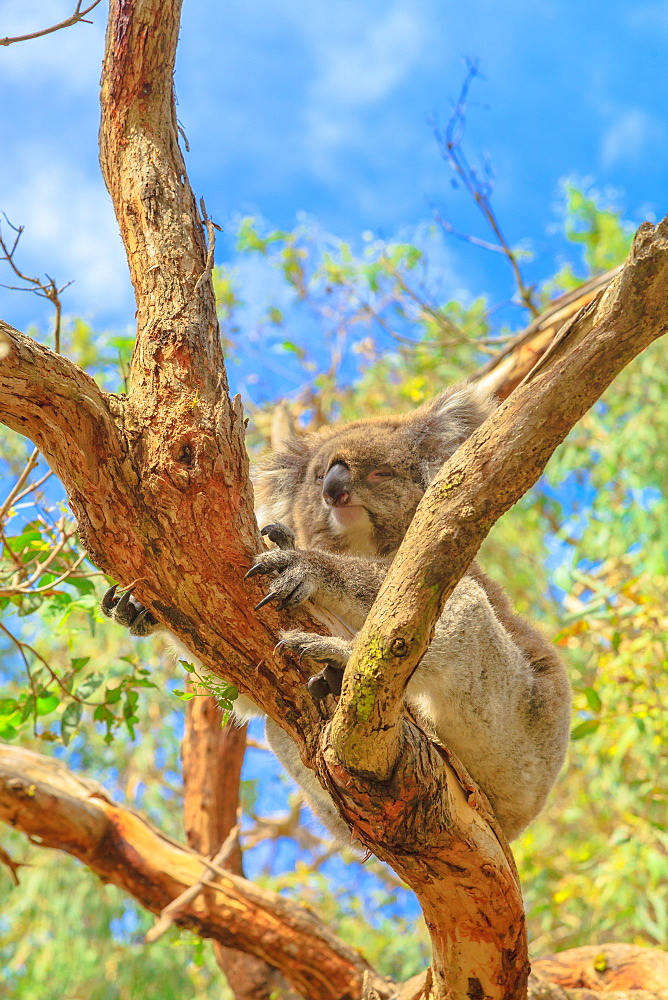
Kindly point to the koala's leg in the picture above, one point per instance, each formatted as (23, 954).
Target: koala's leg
(506, 719)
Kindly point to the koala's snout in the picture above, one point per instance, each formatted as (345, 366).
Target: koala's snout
(336, 485)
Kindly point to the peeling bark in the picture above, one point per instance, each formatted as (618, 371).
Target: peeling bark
(607, 967)
(505, 370)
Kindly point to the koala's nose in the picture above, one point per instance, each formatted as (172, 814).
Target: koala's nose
(336, 485)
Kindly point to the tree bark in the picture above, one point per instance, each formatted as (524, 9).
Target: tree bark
(212, 759)
(607, 967)
(42, 799)
(505, 370)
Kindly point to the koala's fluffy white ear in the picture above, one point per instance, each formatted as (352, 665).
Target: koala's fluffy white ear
(444, 422)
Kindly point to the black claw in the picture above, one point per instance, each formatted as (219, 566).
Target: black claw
(123, 603)
(144, 616)
(253, 571)
(265, 600)
(287, 601)
(109, 600)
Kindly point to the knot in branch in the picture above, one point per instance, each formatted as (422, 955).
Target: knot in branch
(399, 647)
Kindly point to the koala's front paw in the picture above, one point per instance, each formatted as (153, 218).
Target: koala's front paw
(127, 611)
(325, 649)
(295, 581)
(280, 535)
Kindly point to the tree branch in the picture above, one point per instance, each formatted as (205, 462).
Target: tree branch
(506, 369)
(212, 759)
(485, 477)
(78, 15)
(42, 799)
(178, 344)
(176, 518)
(371, 760)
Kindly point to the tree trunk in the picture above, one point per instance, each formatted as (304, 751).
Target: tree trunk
(212, 759)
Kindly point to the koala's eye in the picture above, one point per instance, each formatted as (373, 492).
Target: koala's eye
(319, 476)
(384, 472)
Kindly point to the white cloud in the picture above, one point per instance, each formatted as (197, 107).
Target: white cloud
(360, 62)
(365, 66)
(633, 135)
(70, 233)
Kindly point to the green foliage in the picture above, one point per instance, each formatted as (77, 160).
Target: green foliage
(604, 237)
(606, 877)
(87, 942)
(206, 684)
(595, 862)
(344, 303)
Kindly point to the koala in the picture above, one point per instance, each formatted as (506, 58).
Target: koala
(491, 687)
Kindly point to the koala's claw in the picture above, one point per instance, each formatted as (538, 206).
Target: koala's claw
(126, 610)
(295, 596)
(280, 535)
(293, 583)
(271, 596)
(108, 602)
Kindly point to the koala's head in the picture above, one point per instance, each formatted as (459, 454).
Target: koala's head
(355, 487)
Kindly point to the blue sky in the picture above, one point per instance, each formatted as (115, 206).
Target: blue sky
(322, 107)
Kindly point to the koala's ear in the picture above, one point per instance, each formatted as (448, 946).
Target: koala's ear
(444, 422)
(276, 482)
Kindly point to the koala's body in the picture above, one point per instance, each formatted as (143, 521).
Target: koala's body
(491, 687)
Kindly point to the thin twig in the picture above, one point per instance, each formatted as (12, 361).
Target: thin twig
(27, 588)
(211, 230)
(480, 189)
(9, 862)
(78, 15)
(31, 681)
(44, 290)
(13, 493)
(169, 913)
(442, 321)
(31, 489)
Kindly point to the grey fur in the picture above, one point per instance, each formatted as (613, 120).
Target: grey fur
(491, 687)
